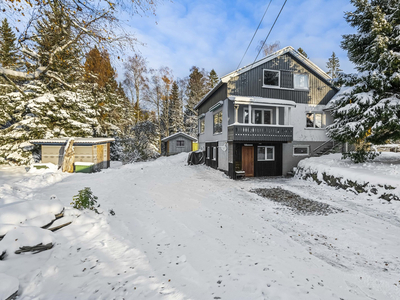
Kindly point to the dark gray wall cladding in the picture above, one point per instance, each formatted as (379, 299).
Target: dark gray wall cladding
(287, 79)
(250, 83)
(218, 95)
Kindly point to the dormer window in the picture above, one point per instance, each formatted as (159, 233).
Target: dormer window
(271, 78)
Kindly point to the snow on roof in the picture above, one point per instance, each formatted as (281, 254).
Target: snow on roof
(89, 141)
(288, 49)
(178, 134)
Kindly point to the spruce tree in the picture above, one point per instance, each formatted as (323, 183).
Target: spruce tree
(333, 66)
(367, 109)
(212, 79)
(302, 52)
(54, 32)
(176, 112)
(8, 49)
(196, 90)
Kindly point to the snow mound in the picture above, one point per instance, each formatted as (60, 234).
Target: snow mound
(25, 236)
(384, 170)
(9, 285)
(19, 212)
(42, 168)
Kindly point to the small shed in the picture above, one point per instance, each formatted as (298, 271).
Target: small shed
(93, 151)
(177, 143)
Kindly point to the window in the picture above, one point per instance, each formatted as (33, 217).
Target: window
(265, 153)
(180, 143)
(315, 120)
(202, 125)
(208, 152)
(217, 122)
(262, 116)
(214, 157)
(271, 78)
(300, 81)
(301, 150)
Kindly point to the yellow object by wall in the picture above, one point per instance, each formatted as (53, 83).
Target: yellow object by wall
(195, 146)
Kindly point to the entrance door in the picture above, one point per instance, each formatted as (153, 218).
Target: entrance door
(248, 161)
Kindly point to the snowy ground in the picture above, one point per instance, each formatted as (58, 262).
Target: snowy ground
(189, 232)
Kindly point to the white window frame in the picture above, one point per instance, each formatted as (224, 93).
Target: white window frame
(279, 79)
(214, 153)
(180, 141)
(301, 146)
(253, 111)
(219, 132)
(323, 120)
(266, 158)
(301, 88)
(202, 121)
(208, 153)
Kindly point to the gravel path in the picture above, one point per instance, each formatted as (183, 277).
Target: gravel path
(296, 203)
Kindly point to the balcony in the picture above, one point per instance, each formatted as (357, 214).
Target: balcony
(260, 133)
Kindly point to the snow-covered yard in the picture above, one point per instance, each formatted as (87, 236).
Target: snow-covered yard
(189, 232)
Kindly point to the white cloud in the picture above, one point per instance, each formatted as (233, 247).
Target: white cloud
(215, 34)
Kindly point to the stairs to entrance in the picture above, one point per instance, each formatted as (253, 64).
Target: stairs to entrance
(328, 147)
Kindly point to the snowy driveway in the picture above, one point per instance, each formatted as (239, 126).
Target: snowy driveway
(189, 232)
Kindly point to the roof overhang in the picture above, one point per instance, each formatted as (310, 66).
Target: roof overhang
(178, 134)
(262, 101)
(77, 141)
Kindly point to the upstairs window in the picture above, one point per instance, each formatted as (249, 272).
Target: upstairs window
(271, 78)
(300, 81)
(202, 125)
(315, 120)
(180, 143)
(217, 122)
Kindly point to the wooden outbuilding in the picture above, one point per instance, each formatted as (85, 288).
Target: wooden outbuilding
(177, 143)
(87, 151)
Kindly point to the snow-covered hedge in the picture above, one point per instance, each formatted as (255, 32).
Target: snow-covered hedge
(380, 177)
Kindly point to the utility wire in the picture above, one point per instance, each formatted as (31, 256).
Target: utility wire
(254, 34)
(270, 31)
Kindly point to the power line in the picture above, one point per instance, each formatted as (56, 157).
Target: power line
(254, 34)
(270, 30)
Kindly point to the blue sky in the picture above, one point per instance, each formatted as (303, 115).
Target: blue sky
(215, 33)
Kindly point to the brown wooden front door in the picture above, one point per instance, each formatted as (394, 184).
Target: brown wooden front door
(248, 161)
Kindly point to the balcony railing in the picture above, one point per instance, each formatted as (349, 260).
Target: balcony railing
(260, 133)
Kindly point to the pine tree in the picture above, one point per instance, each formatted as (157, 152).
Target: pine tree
(367, 109)
(196, 90)
(333, 66)
(8, 49)
(176, 112)
(302, 52)
(212, 79)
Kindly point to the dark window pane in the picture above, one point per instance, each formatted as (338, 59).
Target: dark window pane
(258, 117)
(271, 78)
(270, 153)
(267, 117)
(261, 153)
(300, 150)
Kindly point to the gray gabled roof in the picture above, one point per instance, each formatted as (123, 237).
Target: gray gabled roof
(288, 49)
(178, 134)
